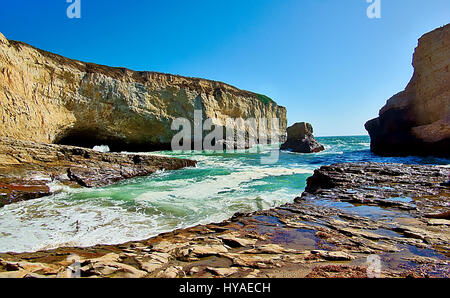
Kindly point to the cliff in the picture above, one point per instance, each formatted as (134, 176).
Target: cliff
(48, 98)
(417, 120)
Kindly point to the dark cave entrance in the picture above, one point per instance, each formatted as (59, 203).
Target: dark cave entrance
(88, 138)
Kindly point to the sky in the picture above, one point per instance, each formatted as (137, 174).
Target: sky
(326, 61)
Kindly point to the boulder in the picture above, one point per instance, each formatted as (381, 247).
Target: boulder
(416, 121)
(300, 139)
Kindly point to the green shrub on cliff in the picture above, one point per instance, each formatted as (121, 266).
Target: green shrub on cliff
(264, 99)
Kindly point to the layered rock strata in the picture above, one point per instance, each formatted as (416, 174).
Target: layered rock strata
(349, 215)
(300, 139)
(30, 170)
(48, 98)
(416, 121)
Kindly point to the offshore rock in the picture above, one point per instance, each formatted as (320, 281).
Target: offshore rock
(48, 98)
(300, 139)
(27, 169)
(416, 121)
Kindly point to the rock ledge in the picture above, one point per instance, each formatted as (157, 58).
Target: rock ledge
(347, 213)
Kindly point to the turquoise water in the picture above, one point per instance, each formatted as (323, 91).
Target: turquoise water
(136, 209)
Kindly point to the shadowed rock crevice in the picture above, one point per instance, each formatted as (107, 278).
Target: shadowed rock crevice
(88, 138)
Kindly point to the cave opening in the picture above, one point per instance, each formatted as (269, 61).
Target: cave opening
(89, 138)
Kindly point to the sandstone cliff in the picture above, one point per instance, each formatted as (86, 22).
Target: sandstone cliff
(417, 120)
(47, 98)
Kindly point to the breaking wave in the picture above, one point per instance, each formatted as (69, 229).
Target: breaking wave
(221, 185)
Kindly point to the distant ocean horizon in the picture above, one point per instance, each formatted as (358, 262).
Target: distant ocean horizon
(136, 209)
(341, 136)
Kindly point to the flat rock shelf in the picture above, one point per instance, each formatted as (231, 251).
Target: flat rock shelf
(349, 215)
(30, 170)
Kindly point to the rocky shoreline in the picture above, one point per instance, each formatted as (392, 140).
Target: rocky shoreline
(349, 214)
(31, 170)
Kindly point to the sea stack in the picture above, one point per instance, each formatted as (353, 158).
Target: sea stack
(416, 121)
(300, 139)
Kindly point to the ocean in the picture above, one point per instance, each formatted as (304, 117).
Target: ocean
(136, 209)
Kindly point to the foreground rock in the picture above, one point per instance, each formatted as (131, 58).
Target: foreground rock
(28, 169)
(48, 98)
(349, 216)
(300, 139)
(416, 121)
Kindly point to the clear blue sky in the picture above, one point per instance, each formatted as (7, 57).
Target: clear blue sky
(324, 60)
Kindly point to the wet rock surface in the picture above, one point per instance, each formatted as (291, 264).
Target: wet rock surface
(300, 139)
(353, 220)
(31, 170)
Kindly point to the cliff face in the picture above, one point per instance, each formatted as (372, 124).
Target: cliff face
(417, 120)
(47, 98)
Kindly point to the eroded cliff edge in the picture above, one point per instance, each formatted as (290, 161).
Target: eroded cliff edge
(48, 98)
(417, 120)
